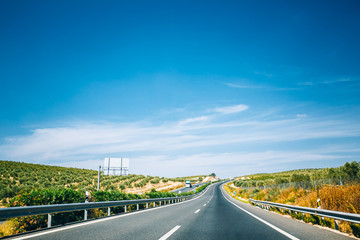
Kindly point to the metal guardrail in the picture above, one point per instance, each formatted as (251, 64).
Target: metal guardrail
(348, 217)
(12, 212)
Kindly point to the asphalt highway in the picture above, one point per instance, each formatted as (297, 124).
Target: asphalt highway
(214, 215)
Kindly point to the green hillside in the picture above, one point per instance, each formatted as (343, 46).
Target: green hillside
(18, 177)
(348, 173)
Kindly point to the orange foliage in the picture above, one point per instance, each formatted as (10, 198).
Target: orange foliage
(308, 200)
(336, 198)
(341, 198)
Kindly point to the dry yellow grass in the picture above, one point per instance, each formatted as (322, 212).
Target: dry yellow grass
(7, 228)
(341, 198)
(161, 186)
(337, 198)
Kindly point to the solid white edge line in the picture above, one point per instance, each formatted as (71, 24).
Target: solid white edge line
(263, 221)
(197, 211)
(104, 219)
(169, 233)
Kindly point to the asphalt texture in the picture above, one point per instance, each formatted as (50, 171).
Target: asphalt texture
(213, 215)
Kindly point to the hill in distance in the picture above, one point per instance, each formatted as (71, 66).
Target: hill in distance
(18, 177)
(349, 172)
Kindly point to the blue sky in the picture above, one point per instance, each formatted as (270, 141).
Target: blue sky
(181, 87)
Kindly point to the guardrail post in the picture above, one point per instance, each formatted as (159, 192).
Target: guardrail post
(86, 200)
(159, 203)
(108, 211)
(49, 221)
(125, 208)
(137, 207)
(154, 204)
(336, 224)
(147, 205)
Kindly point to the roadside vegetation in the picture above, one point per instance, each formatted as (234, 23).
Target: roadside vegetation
(24, 184)
(57, 196)
(18, 177)
(337, 188)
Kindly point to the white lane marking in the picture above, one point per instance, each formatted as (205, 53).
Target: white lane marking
(108, 218)
(263, 221)
(170, 233)
(197, 211)
(204, 204)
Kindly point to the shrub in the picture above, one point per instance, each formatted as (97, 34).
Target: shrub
(44, 197)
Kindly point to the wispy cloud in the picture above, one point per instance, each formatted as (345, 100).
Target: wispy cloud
(171, 144)
(229, 164)
(231, 109)
(194, 120)
(89, 139)
(330, 81)
(268, 88)
(236, 85)
(340, 80)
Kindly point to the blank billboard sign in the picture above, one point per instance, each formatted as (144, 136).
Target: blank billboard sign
(116, 166)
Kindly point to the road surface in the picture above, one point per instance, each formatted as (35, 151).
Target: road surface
(214, 215)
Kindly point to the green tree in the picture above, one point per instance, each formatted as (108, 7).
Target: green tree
(351, 169)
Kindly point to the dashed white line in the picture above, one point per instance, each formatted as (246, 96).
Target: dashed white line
(204, 204)
(168, 234)
(197, 211)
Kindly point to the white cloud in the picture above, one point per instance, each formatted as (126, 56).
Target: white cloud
(301, 115)
(235, 163)
(268, 88)
(234, 85)
(339, 80)
(192, 120)
(231, 109)
(91, 139)
(179, 146)
(330, 81)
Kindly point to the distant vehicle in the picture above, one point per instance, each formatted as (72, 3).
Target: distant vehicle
(188, 184)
